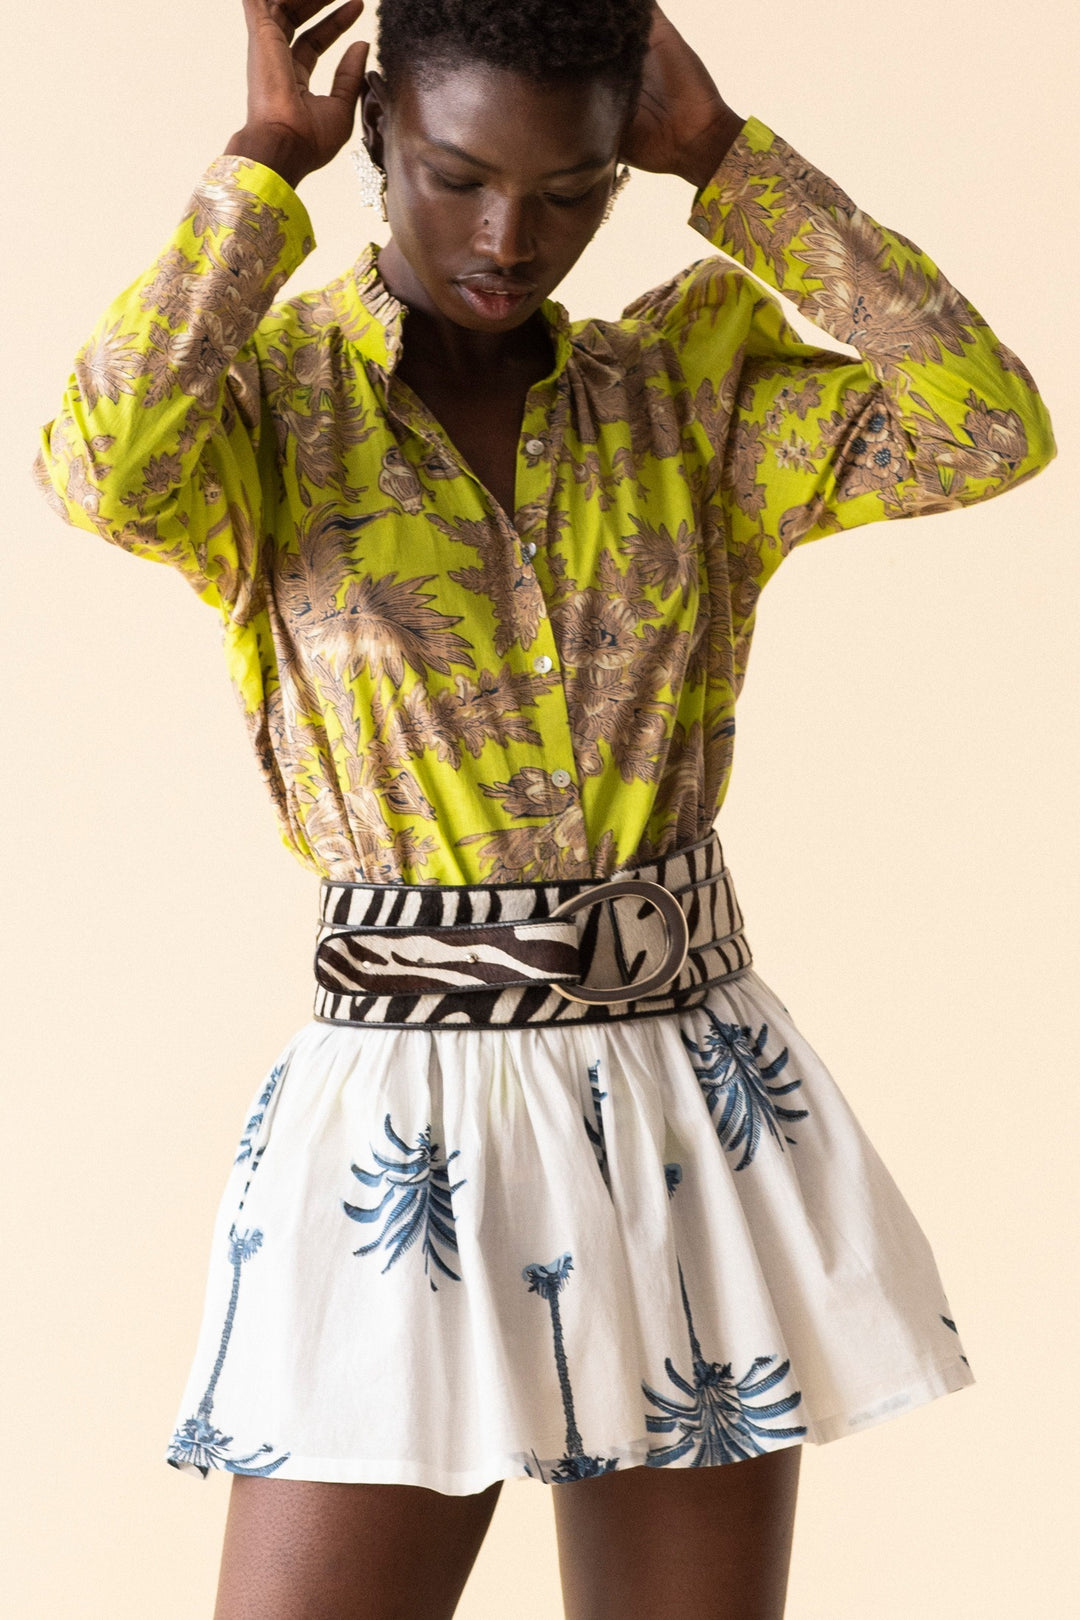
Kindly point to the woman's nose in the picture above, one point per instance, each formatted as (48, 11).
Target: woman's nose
(506, 235)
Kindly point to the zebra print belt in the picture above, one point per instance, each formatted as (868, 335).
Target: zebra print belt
(651, 939)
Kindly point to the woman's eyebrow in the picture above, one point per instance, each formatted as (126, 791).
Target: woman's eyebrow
(467, 157)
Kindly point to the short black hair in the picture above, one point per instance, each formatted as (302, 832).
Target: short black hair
(549, 41)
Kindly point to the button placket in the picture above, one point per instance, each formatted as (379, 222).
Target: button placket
(542, 430)
(552, 712)
(536, 477)
(536, 483)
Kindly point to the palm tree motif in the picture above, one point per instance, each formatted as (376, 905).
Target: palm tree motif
(257, 1117)
(595, 1129)
(574, 1464)
(252, 1127)
(722, 1418)
(737, 1084)
(197, 1441)
(418, 1191)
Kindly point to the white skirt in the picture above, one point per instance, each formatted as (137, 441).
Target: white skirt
(447, 1257)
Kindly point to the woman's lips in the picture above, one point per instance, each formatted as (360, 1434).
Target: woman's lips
(493, 302)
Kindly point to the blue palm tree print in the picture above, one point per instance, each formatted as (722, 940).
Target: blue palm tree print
(595, 1128)
(257, 1117)
(548, 1281)
(740, 1090)
(721, 1419)
(419, 1193)
(197, 1440)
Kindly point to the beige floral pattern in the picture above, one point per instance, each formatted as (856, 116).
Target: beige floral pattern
(440, 691)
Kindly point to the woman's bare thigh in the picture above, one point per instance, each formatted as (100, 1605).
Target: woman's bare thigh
(701, 1543)
(300, 1549)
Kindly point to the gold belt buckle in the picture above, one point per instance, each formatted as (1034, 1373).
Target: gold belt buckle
(678, 938)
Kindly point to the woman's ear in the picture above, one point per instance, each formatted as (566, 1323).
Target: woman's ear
(374, 106)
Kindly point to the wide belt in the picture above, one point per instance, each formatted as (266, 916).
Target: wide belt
(651, 939)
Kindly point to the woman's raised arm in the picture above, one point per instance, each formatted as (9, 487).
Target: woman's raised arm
(163, 442)
(935, 413)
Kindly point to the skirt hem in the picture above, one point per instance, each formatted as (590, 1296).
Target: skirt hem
(940, 1380)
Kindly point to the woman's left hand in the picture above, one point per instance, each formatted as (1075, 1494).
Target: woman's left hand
(682, 124)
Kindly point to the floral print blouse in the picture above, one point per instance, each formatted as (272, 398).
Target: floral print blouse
(440, 691)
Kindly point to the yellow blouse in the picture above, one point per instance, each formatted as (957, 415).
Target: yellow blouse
(441, 691)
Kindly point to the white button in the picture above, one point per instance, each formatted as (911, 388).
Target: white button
(561, 778)
(535, 447)
(542, 664)
(529, 548)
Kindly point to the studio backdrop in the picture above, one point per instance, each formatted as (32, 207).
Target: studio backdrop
(902, 825)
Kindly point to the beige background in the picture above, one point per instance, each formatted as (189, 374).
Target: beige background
(901, 827)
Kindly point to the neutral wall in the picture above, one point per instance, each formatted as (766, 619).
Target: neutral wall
(901, 826)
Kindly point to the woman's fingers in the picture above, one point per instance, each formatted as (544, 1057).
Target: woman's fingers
(271, 77)
(292, 14)
(280, 66)
(310, 46)
(350, 74)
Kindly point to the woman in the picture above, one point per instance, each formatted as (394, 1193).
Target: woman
(548, 1187)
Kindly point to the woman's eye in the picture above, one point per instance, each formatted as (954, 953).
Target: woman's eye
(559, 198)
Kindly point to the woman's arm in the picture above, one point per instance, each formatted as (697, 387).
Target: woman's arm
(936, 413)
(162, 443)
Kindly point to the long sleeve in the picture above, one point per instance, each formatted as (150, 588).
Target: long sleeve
(162, 444)
(937, 413)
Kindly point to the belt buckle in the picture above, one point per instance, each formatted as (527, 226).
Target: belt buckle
(678, 938)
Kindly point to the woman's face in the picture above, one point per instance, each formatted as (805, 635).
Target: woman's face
(494, 185)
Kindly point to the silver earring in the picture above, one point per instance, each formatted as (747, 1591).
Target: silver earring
(372, 179)
(616, 186)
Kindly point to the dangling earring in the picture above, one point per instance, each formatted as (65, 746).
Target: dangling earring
(372, 179)
(616, 186)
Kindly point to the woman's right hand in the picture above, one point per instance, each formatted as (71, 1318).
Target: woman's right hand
(287, 127)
